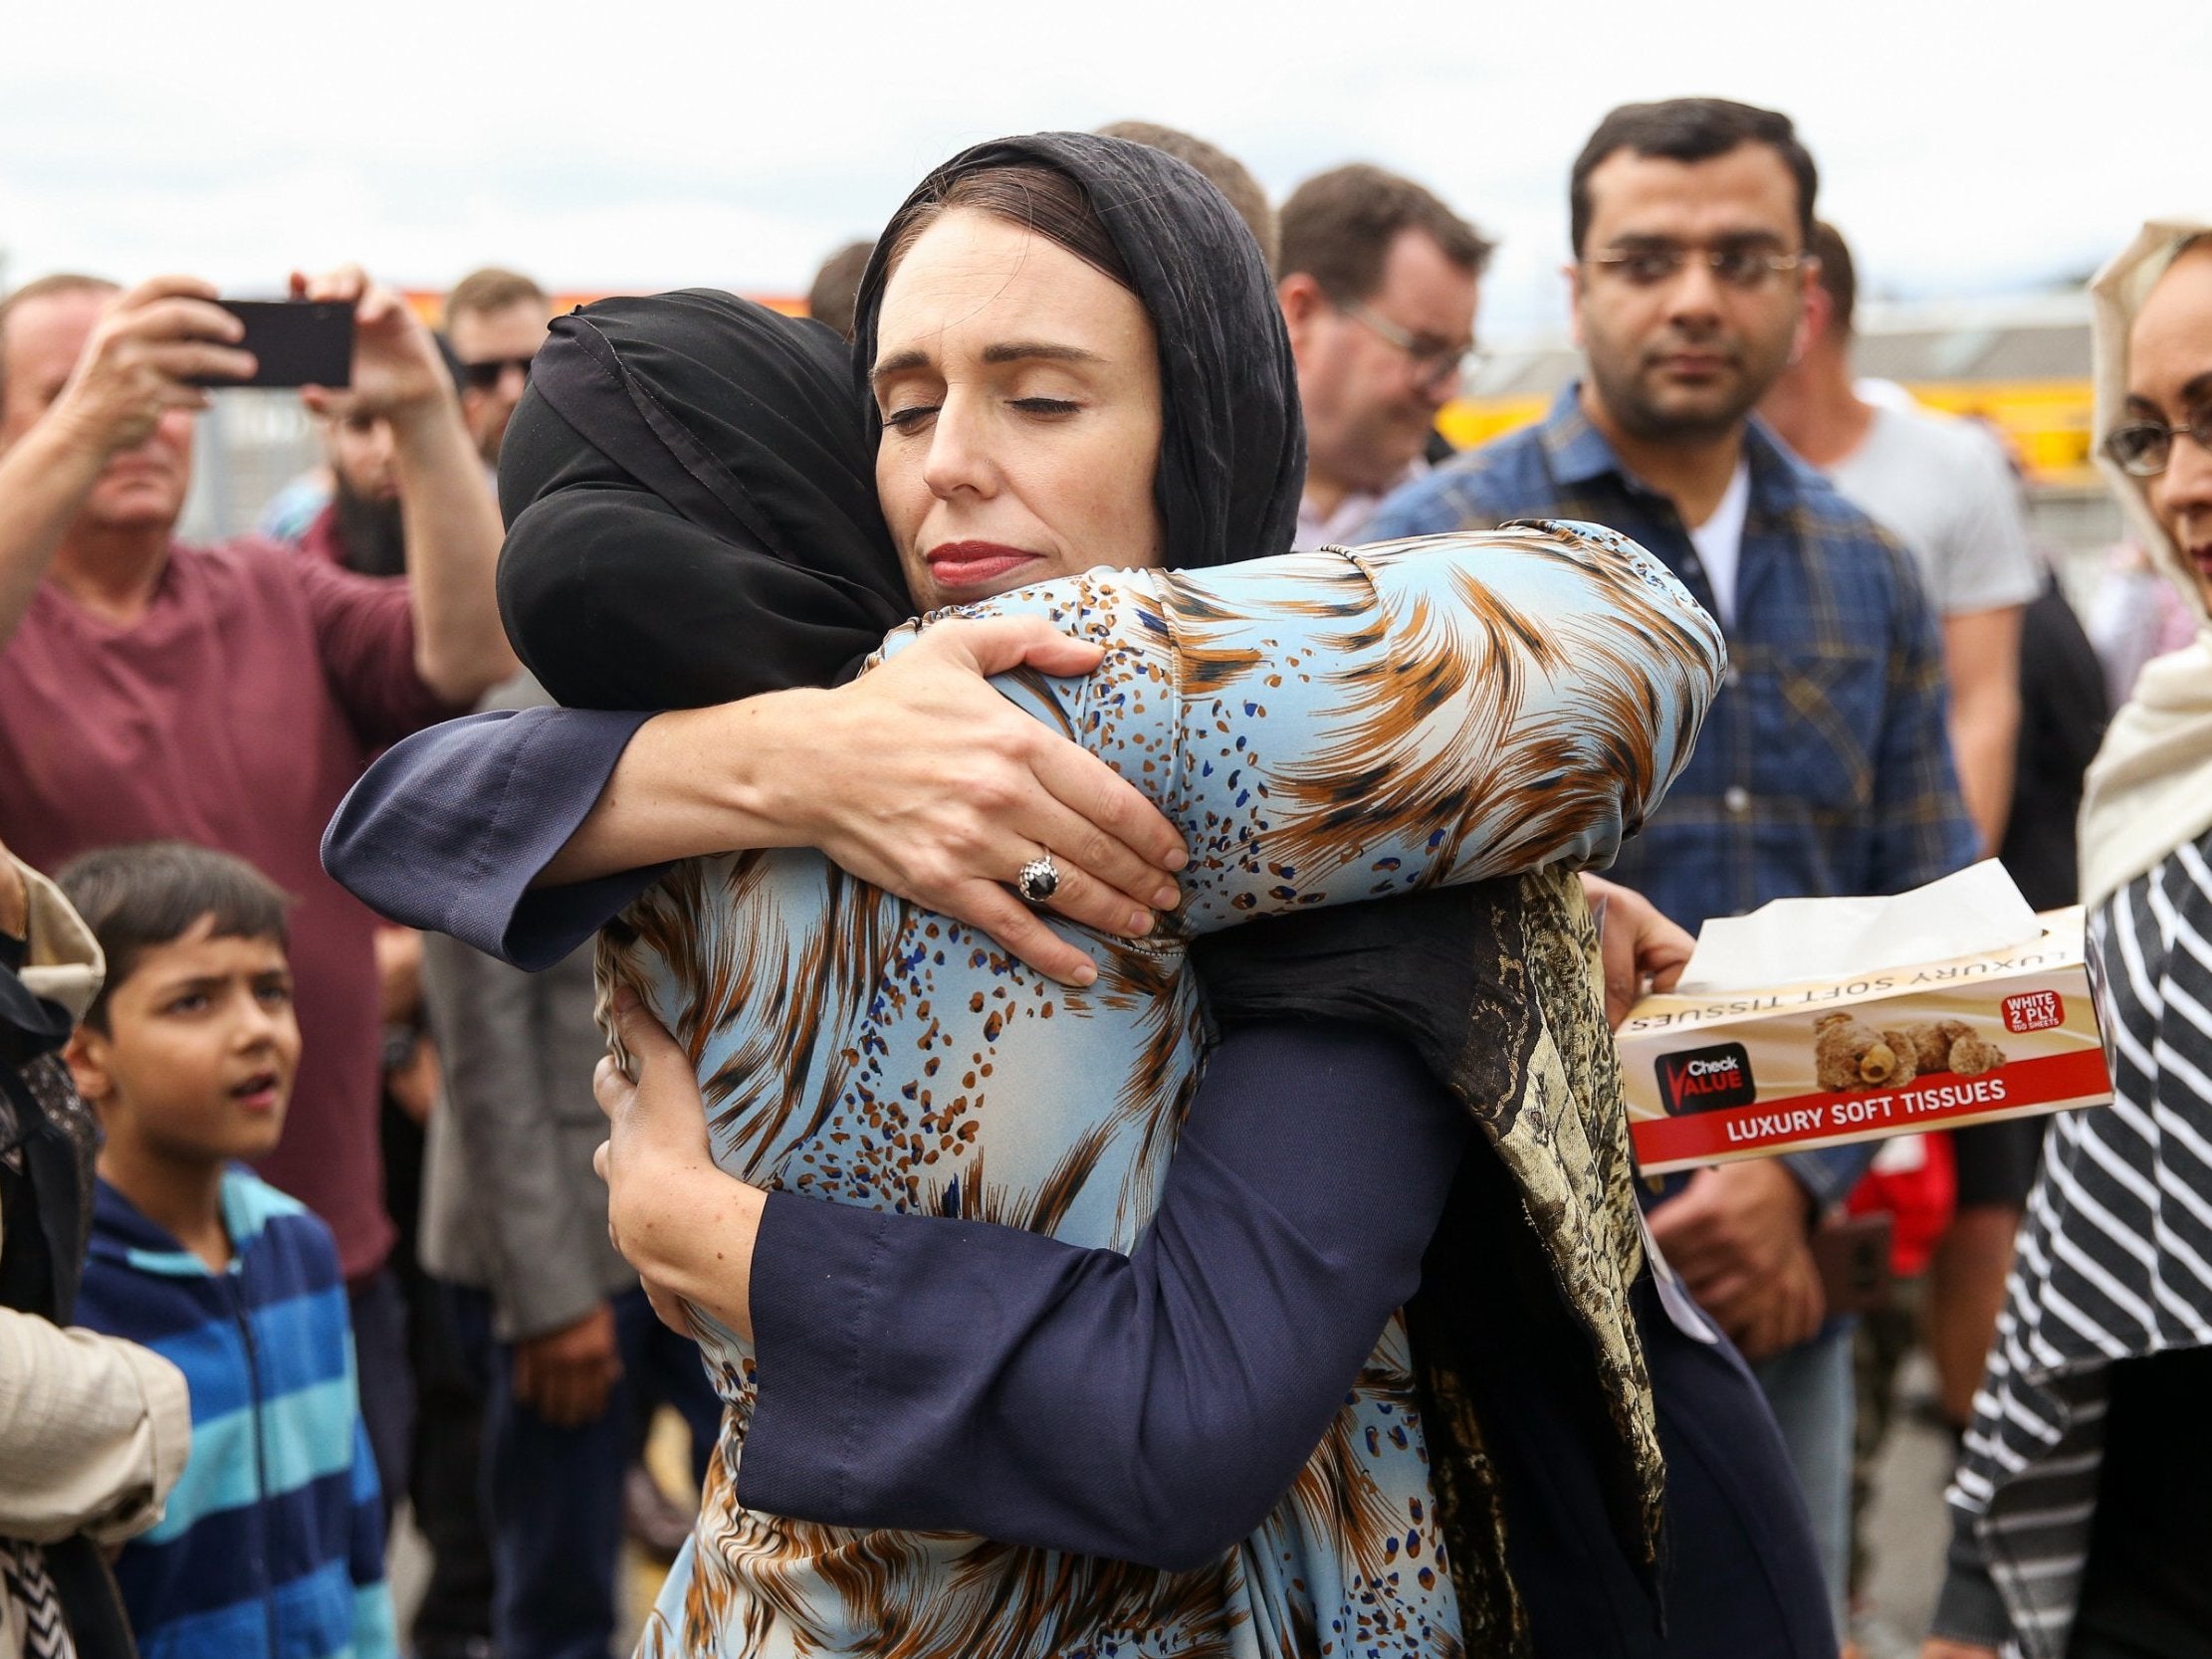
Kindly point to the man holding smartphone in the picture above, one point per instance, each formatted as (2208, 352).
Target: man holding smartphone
(229, 695)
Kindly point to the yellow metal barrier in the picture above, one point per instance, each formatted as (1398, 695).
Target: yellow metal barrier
(2048, 423)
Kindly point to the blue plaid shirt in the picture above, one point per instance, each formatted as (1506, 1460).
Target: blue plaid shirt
(1824, 766)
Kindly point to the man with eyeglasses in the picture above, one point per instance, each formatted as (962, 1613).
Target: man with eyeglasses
(1824, 766)
(1378, 282)
(494, 321)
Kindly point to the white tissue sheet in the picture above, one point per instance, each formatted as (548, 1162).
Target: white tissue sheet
(1791, 940)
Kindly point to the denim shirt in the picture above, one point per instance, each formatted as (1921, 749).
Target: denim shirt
(1824, 765)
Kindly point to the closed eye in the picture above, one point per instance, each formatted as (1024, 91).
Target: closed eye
(909, 418)
(1046, 405)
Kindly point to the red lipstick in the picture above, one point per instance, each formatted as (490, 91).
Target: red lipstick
(958, 565)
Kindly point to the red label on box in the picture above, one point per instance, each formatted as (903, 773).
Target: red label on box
(2035, 1011)
(2056, 1079)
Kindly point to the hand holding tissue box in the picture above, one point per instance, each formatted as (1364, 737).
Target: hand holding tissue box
(1815, 1021)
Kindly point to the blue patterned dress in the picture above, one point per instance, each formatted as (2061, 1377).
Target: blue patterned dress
(1323, 729)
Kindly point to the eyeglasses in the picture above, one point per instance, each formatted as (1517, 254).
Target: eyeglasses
(488, 373)
(1434, 360)
(2141, 449)
(1649, 264)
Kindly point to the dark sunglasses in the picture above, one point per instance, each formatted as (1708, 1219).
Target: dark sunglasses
(2140, 448)
(488, 373)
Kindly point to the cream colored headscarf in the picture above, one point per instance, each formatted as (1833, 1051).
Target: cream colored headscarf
(64, 960)
(2150, 787)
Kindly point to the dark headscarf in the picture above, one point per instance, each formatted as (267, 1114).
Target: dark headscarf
(691, 508)
(1232, 448)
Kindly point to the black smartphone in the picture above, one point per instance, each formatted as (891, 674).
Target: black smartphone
(295, 342)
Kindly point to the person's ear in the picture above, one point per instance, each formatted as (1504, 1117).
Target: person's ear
(1303, 304)
(1820, 311)
(88, 1055)
(1816, 311)
(1572, 271)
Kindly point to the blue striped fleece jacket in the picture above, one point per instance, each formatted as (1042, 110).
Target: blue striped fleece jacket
(273, 1546)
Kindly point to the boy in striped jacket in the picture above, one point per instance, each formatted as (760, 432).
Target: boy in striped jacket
(273, 1544)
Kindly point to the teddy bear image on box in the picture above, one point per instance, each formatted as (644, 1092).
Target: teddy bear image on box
(1850, 1054)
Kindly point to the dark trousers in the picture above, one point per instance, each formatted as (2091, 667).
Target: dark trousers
(556, 1494)
(444, 1466)
(1739, 1577)
(379, 1314)
(446, 1480)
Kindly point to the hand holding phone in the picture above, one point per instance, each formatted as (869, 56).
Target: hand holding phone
(145, 357)
(396, 369)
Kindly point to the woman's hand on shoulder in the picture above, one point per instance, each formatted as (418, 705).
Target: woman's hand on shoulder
(934, 786)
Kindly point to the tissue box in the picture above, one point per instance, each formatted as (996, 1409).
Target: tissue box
(2001, 1033)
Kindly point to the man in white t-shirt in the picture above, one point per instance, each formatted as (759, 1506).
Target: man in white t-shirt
(1378, 282)
(1944, 488)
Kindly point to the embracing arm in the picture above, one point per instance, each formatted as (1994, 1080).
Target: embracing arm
(1335, 726)
(450, 827)
(1203, 1367)
(521, 832)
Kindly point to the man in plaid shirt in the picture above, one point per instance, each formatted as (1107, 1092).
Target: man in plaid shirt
(1824, 766)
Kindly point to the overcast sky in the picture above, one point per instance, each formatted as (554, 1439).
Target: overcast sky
(1964, 148)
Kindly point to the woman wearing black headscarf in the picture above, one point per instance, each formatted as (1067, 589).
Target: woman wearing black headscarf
(723, 440)
(1430, 1005)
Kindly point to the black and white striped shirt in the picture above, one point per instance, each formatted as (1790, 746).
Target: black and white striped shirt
(2114, 1262)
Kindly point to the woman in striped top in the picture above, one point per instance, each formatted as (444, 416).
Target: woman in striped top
(2081, 1522)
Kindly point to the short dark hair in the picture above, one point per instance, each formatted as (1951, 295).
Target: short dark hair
(1036, 197)
(836, 286)
(1690, 129)
(1836, 275)
(1226, 174)
(45, 287)
(149, 894)
(1338, 227)
(493, 289)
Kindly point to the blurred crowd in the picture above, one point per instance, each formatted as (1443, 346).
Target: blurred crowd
(1910, 691)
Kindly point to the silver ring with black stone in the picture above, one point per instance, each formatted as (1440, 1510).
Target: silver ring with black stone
(1040, 879)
